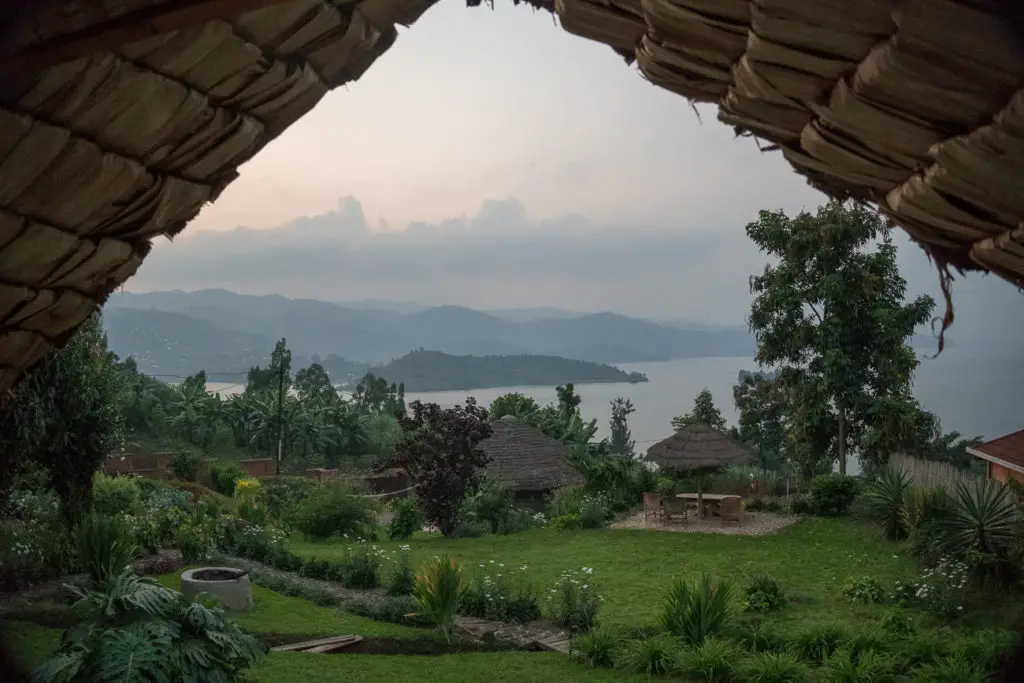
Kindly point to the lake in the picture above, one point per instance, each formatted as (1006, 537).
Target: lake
(973, 393)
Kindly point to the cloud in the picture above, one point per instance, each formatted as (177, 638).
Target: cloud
(503, 257)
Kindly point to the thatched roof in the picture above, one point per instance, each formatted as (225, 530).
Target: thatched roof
(120, 119)
(523, 458)
(697, 447)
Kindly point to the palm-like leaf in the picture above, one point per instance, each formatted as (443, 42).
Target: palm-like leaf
(982, 520)
(885, 498)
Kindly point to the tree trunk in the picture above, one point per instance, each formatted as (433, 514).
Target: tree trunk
(842, 441)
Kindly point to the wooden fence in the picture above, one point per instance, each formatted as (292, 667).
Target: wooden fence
(933, 474)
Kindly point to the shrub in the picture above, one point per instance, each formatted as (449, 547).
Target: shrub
(764, 637)
(185, 465)
(362, 566)
(196, 540)
(501, 597)
(846, 666)
(897, 622)
(925, 505)
(115, 495)
(145, 632)
(573, 602)
(940, 589)
(817, 645)
(800, 506)
(833, 494)
(106, 546)
(439, 592)
(990, 649)
(281, 495)
(981, 524)
(713, 660)
(334, 511)
(776, 667)
(579, 508)
(567, 522)
(397, 609)
(490, 503)
(924, 648)
(954, 669)
(863, 591)
(868, 640)
(764, 594)
(224, 475)
(406, 519)
(696, 612)
(654, 656)
(402, 579)
(885, 498)
(598, 648)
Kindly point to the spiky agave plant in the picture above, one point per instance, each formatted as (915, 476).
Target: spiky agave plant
(983, 520)
(143, 631)
(886, 497)
(439, 592)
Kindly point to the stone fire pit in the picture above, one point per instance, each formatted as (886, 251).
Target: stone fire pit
(231, 587)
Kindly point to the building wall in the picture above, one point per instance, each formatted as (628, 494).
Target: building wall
(1003, 474)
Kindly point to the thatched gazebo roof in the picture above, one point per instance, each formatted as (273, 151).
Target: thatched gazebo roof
(699, 447)
(524, 459)
(120, 119)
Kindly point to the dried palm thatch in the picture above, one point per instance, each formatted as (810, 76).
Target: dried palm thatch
(524, 459)
(699, 447)
(120, 119)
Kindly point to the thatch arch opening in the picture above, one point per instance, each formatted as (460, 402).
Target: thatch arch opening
(120, 119)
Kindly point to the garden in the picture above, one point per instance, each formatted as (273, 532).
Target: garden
(878, 581)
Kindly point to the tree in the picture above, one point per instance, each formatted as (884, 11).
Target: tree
(622, 440)
(704, 412)
(440, 452)
(515, 404)
(374, 395)
(568, 398)
(314, 384)
(66, 416)
(831, 313)
(269, 378)
(761, 402)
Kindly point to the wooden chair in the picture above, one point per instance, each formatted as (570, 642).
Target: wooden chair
(652, 506)
(732, 510)
(673, 507)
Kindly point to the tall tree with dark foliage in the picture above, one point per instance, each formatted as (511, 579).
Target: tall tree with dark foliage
(441, 453)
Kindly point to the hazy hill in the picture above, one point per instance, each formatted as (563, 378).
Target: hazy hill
(376, 336)
(436, 371)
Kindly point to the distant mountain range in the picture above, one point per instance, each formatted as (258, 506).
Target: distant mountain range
(180, 332)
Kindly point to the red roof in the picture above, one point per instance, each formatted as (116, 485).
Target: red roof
(1009, 449)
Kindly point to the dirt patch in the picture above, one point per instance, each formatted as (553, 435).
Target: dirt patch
(755, 524)
(372, 645)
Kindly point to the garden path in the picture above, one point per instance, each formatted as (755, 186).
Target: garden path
(532, 636)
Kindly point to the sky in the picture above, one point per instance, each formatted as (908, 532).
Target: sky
(490, 159)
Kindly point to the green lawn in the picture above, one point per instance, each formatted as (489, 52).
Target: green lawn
(280, 614)
(29, 644)
(634, 569)
(494, 667)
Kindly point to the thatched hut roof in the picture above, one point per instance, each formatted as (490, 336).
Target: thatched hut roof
(120, 119)
(698, 447)
(523, 458)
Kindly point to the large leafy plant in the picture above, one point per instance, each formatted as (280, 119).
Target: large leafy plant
(143, 631)
(439, 591)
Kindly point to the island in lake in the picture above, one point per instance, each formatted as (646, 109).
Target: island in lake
(436, 371)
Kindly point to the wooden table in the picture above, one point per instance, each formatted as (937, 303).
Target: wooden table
(715, 498)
